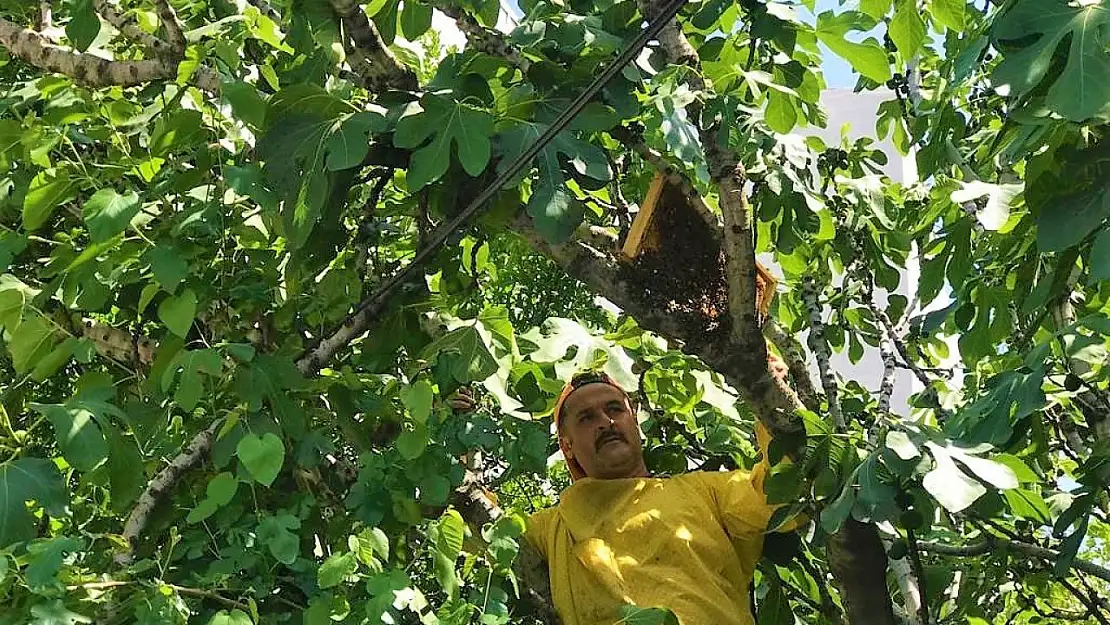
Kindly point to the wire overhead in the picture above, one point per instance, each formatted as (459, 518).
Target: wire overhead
(442, 233)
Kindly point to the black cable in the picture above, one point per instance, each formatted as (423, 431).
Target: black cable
(439, 237)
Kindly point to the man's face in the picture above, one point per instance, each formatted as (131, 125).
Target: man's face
(600, 432)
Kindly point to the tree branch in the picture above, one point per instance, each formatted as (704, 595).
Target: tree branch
(383, 71)
(919, 573)
(175, 36)
(130, 29)
(481, 38)
(820, 348)
(477, 507)
(907, 586)
(91, 70)
(795, 362)
(854, 552)
(46, 16)
(990, 544)
(190, 456)
(1092, 602)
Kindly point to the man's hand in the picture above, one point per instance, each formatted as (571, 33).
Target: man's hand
(462, 401)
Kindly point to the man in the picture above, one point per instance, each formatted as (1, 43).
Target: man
(618, 536)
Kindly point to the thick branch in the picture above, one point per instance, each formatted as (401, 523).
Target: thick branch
(91, 70)
(919, 572)
(190, 456)
(129, 28)
(86, 69)
(383, 71)
(357, 323)
(795, 362)
(991, 544)
(854, 550)
(740, 271)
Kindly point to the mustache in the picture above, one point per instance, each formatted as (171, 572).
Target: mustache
(607, 436)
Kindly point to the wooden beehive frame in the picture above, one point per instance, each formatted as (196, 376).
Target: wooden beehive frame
(642, 224)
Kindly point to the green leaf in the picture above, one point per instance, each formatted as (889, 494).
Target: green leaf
(349, 142)
(435, 490)
(416, 19)
(234, 617)
(56, 613)
(1037, 29)
(125, 467)
(307, 206)
(220, 491)
(950, 486)
(108, 213)
(417, 398)
(12, 245)
(48, 190)
(45, 560)
(177, 131)
(274, 532)
(596, 117)
(448, 535)
(247, 104)
(262, 456)
(635, 615)
(167, 265)
(553, 210)
(77, 433)
(411, 443)
(178, 312)
(876, 494)
(994, 473)
(1028, 505)
(83, 26)
(867, 58)
(467, 357)
(996, 211)
(949, 13)
(1099, 260)
(191, 364)
(775, 608)
(901, 444)
(48, 365)
(907, 29)
(448, 123)
(875, 8)
(781, 115)
(835, 514)
(32, 341)
(336, 569)
(22, 481)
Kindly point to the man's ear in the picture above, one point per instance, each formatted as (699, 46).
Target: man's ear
(565, 446)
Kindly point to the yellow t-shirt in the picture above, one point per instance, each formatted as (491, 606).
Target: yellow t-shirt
(688, 543)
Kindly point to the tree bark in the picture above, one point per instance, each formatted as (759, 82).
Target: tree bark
(91, 70)
(855, 552)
